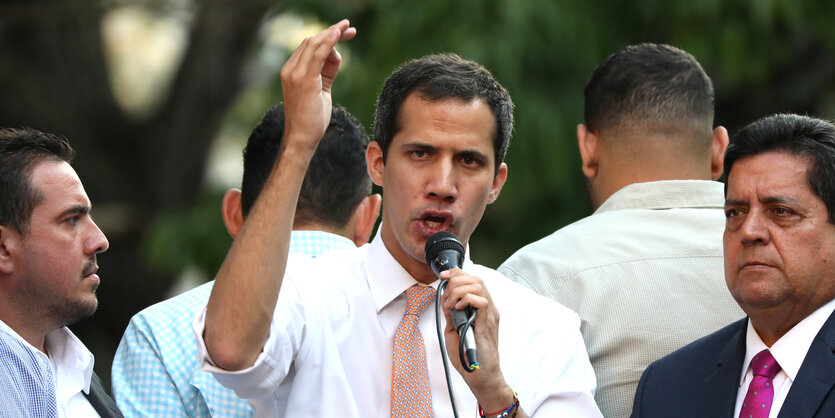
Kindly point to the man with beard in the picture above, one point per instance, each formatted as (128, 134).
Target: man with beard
(48, 248)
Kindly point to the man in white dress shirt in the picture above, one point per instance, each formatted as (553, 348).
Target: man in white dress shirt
(324, 345)
(48, 248)
(650, 256)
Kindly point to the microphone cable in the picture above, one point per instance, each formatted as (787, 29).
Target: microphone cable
(441, 342)
(441, 288)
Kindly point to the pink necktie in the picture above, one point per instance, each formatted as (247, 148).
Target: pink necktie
(757, 402)
(410, 392)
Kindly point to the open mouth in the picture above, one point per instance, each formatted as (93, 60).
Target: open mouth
(434, 221)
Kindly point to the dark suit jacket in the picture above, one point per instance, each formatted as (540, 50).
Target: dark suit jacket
(101, 401)
(702, 378)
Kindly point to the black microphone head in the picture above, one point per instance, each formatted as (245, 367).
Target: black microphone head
(444, 251)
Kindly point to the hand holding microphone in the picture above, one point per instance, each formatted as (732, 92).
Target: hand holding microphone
(445, 252)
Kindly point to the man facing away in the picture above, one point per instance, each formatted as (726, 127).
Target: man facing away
(48, 279)
(644, 271)
(779, 245)
(155, 371)
(352, 333)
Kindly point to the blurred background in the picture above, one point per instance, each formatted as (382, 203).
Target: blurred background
(159, 96)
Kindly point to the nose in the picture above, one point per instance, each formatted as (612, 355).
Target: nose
(442, 181)
(96, 242)
(753, 229)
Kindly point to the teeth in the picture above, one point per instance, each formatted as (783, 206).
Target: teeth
(432, 224)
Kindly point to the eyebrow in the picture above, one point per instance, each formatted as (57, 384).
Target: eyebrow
(75, 210)
(768, 200)
(471, 153)
(476, 155)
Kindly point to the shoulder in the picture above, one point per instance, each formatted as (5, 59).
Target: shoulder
(510, 297)
(707, 350)
(180, 309)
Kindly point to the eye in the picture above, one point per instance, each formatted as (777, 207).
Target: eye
(731, 213)
(467, 160)
(781, 211)
(73, 220)
(419, 153)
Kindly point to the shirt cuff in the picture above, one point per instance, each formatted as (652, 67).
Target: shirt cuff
(256, 381)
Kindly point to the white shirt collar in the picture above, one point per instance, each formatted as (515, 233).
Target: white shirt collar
(72, 361)
(666, 194)
(790, 350)
(387, 279)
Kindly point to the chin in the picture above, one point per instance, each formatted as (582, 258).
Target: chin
(81, 309)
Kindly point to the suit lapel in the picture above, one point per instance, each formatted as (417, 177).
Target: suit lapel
(816, 376)
(101, 401)
(722, 384)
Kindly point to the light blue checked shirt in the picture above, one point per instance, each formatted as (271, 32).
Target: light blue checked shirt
(27, 387)
(156, 371)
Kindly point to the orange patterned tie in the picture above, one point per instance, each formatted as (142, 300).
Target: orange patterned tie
(410, 393)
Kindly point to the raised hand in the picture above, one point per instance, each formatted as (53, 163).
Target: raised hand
(306, 80)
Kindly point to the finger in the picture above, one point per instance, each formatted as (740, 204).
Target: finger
(454, 295)
(472, 301)
(348, 34)
(330, 69)
(292, 63)
(317, 49)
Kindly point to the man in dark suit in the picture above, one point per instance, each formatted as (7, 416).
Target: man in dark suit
(779, 246)
(48, 248)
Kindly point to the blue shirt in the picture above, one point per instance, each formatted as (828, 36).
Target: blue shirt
(27, 387)
(156, 370)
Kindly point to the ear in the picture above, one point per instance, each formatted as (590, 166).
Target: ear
(717, 152)
(498, 183)
(233, 216)
(587, 140)
(374, 162)
(10, 244)
(365, 216)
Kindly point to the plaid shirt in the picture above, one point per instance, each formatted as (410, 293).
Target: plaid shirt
(156, 371)
(27, 386)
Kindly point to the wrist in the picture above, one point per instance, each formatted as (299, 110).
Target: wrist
(497, 401)
(510, 410)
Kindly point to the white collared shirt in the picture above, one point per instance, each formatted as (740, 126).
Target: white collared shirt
(789, 351)
(72, 366)
(330, 344)
(647, 261)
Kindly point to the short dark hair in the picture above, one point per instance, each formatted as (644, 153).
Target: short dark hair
(804, 136)
(20, 151)
(438, 77)
(649, 85)
(336, 179)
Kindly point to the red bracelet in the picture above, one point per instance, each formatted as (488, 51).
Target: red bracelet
(514, 409)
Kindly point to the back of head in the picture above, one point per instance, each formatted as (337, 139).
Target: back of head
(650, 89)
(20, 151)
(807, 137)
(336, 179)
(438, 77)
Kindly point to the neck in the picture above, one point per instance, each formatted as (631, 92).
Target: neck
(616, 176)
(31, 333)
(418, 269)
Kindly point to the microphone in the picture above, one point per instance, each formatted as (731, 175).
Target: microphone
(444, 252)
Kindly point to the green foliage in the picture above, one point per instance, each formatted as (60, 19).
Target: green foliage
(190, 238)
(764, 56)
